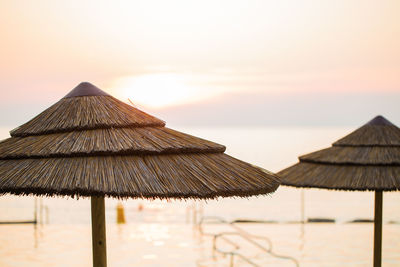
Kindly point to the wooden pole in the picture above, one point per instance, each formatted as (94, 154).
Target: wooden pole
(303, 219)
(41, 210)
(99, 232)
(378, 229)
(35, 212)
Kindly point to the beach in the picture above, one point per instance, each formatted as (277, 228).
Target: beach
(163, 234)
(200, 133)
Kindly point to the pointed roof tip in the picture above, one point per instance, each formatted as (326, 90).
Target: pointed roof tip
(85, 89)
(377, 132)
(379, 121)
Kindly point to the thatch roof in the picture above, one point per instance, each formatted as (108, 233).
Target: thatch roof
(366, 159)
(83, 112)
(90, 143)
(377, 132)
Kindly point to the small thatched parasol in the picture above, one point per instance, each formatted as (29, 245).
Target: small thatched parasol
(90, 144)
(366, 159)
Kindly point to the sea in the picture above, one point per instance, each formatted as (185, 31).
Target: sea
(198, 233)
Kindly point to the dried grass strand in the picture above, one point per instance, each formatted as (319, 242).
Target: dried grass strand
(119, 141)
(91, 144)
(85, 113)
(156, 176)
(366, 159)
(342, 177)
(372, 135)
(352, 155)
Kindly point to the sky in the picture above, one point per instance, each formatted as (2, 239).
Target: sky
(211, 63)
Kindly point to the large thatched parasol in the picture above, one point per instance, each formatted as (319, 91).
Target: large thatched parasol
(366, 159)
(90, 144)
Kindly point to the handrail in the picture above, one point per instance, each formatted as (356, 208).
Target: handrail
(232, 254)
(245, 235)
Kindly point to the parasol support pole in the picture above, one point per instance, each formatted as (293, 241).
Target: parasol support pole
(378, 229)
(98, 232)
(302, 219)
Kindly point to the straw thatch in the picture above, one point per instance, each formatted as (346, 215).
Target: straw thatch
(377, 132)
(360, 155)
(85, 113)
(366, 159)
(112, 141)
(90, 143)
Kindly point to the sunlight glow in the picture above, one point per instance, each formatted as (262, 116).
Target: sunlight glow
(157, 90)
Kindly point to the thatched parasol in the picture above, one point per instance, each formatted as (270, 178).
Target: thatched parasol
(366, 159)
(90, 144)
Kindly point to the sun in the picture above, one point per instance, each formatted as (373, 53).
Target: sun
(156, 90)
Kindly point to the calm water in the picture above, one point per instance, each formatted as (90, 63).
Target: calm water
(161, 233)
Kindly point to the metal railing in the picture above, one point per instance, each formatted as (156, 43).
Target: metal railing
(38, 210)
(250, 238)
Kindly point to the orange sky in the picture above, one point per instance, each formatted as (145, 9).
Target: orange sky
(163, 53)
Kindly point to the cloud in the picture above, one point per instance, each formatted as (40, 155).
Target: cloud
(294, 109)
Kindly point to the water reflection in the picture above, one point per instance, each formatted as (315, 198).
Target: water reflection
(35, 236)
(160, 228)
(159, 244)
(302, 240)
